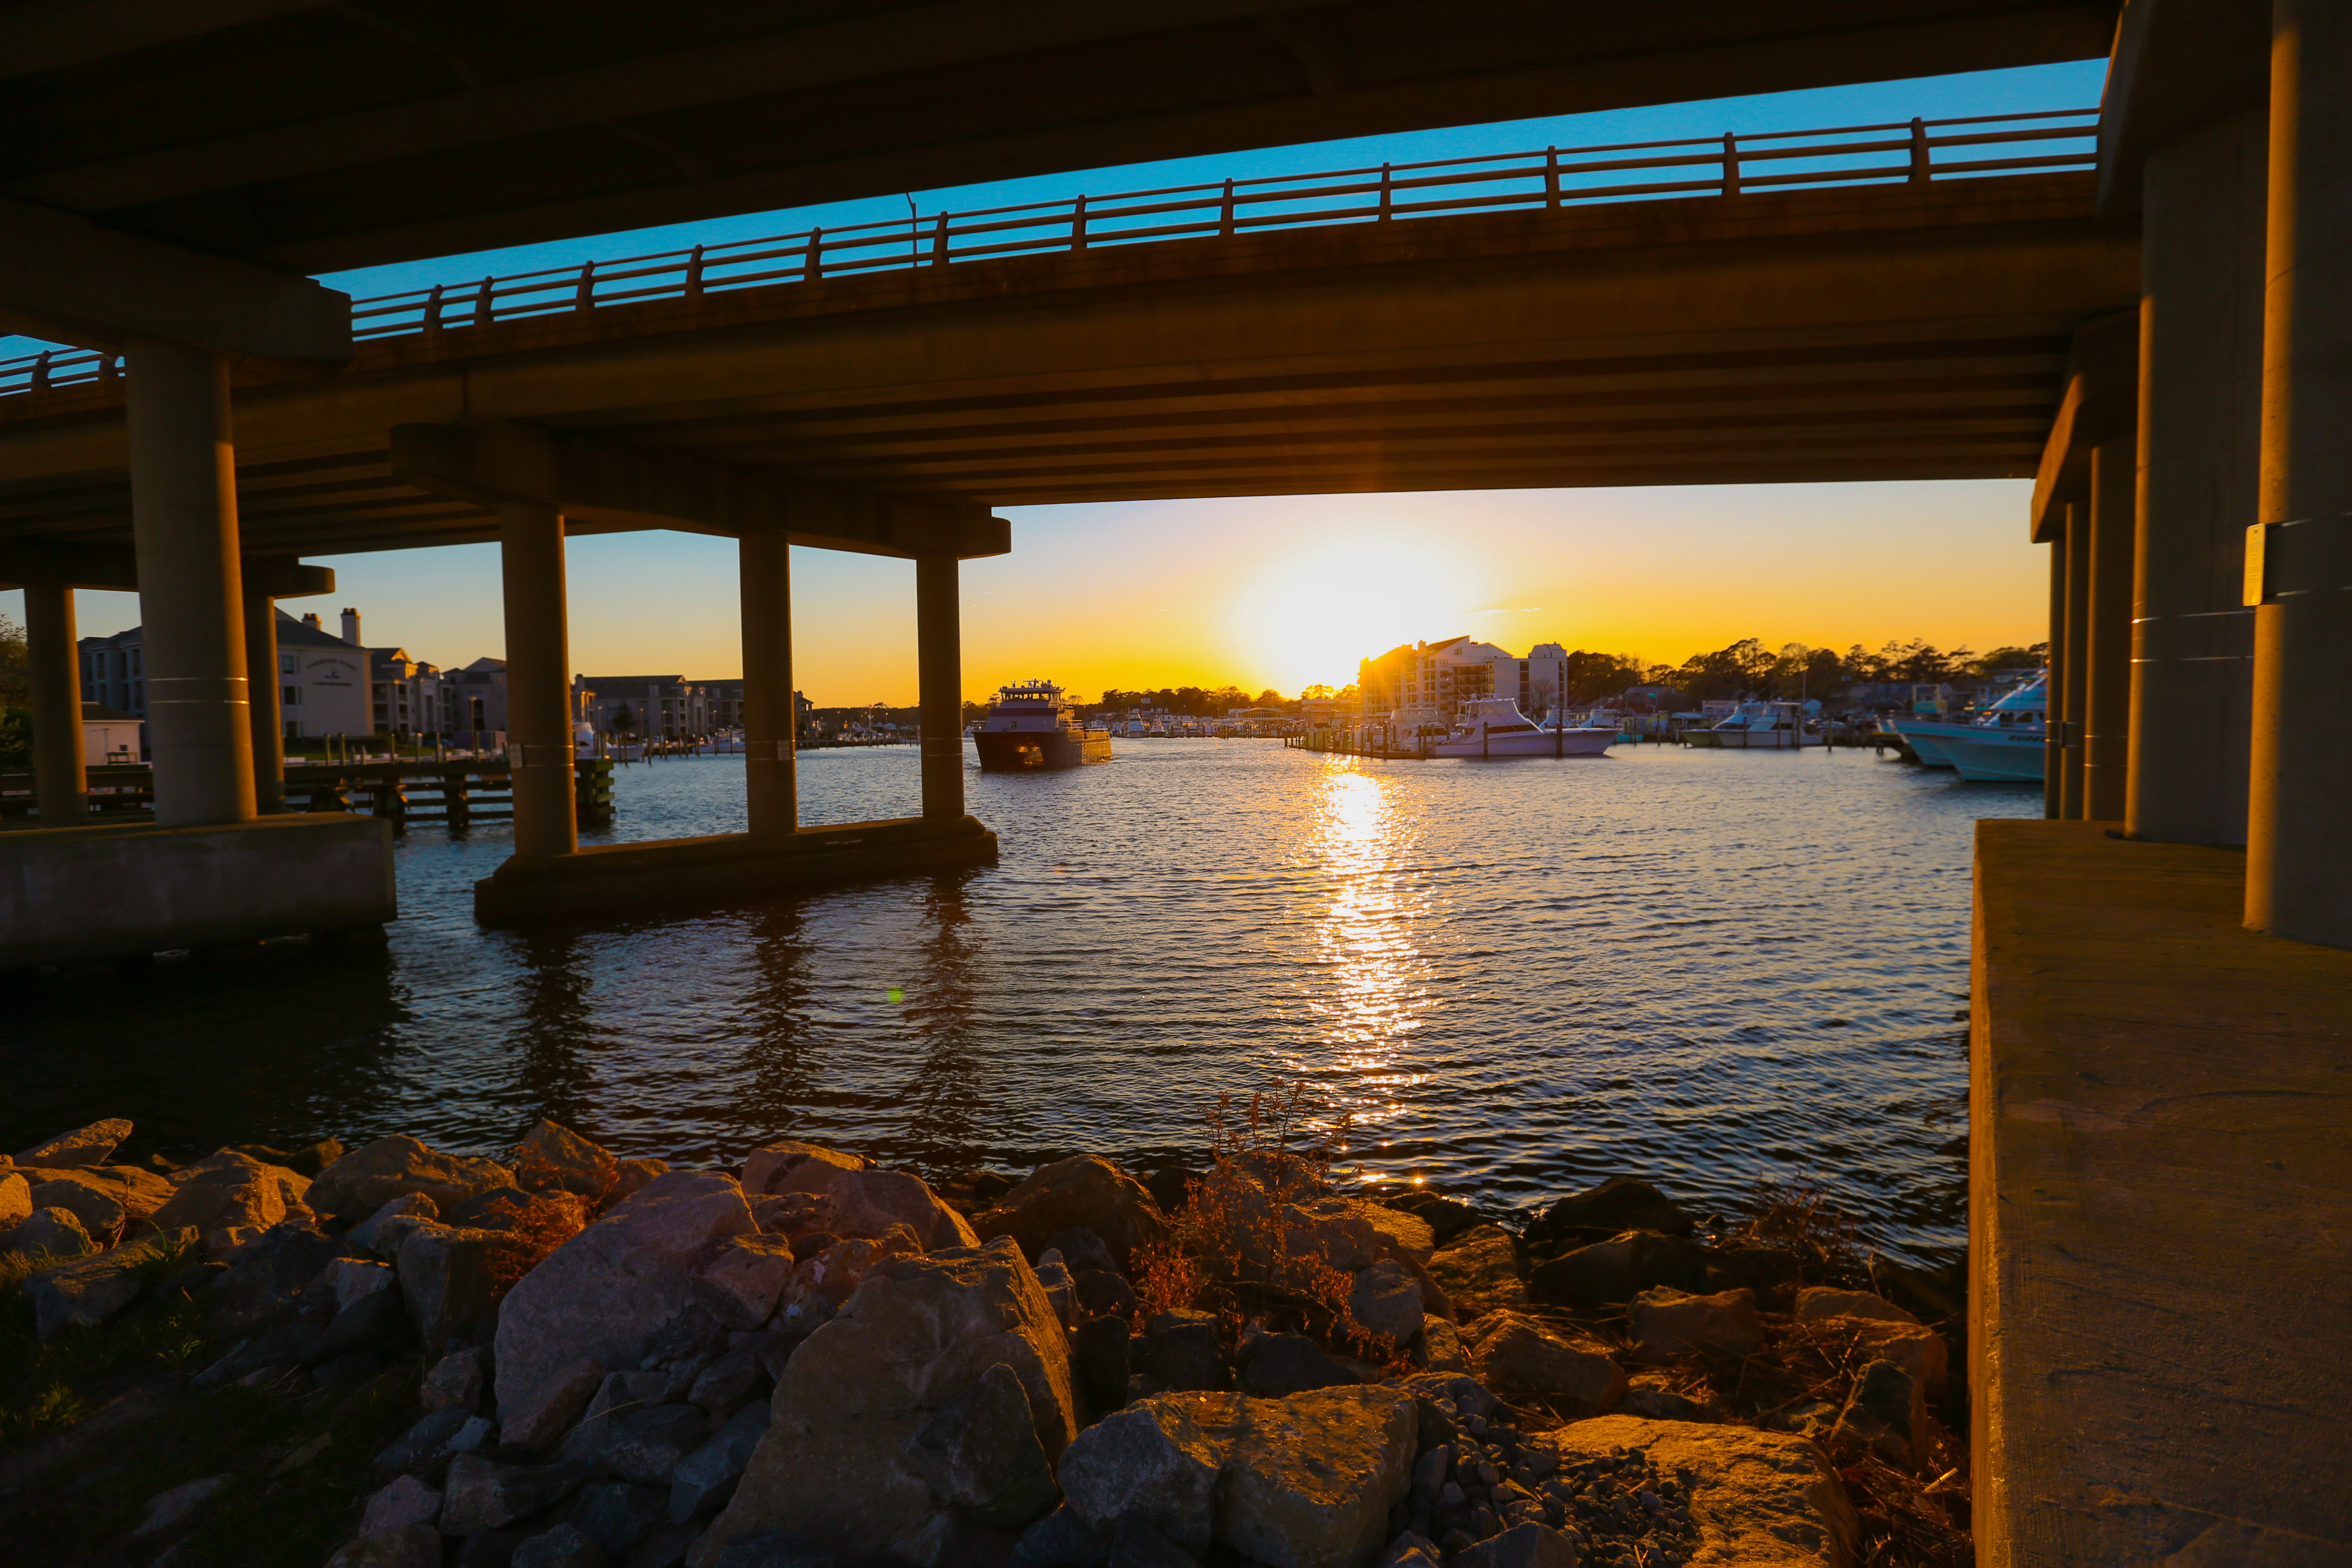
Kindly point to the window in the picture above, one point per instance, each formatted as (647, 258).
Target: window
(286, 663)
(291, 696)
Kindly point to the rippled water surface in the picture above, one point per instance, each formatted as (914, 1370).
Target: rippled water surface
(1519, 977)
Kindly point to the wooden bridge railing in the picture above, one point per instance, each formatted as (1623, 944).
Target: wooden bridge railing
(1918, 151)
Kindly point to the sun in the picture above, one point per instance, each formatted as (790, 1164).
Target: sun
(1307, 615)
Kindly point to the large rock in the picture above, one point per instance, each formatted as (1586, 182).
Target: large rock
(15, 1201)
(823, 1280)
(1158, 1459)
(1084, 1191)
(1311, 1479)
(913, 1340)
(1756, 1497)
(1668, 1324)
(706, 1478)
(1480, 1270)
(364, 1180)
(410, 1546)
(748, 1275)
(1386, 1300)
(83, 1146)
(555, 1159)
(1618, 1204)
(382, 1231)
(50, 1233)
(88, 1292)
(608, 1294)
(1818, 1302)
(1282, 1234)
(1887, 1413)
(96, 1209)
(482, 1494)
(858, 1199)
(1611, 1273)
(1510, 1350)
(265, 1281)
(230, 1190)
(141, 1193)
(982, 1457)
(450, 1276)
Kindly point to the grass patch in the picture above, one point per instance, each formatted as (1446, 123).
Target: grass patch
(45, 1386)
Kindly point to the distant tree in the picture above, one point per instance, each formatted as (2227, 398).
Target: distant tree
(2013, 659)
(625, 719)
(1316, 694)
(1269, 698)
(15, 688)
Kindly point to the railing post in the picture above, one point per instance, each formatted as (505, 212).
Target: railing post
(1078, 225)
(486, 307)
(109, 369)
(433, 309)
(585, 300)
(815, 255)
(1225, 214)
(1551, 177)
(41, 371)
(1919, 150)
(694, 273)
(939, 241)
(1384, 192)
(1730, 164)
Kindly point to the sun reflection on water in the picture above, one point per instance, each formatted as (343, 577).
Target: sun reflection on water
(1372, 987)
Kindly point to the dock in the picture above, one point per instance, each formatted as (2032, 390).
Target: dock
(457, 792)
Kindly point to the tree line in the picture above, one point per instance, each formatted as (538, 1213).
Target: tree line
(1747, 667)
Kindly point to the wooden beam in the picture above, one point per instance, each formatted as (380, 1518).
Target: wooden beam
(490, 462)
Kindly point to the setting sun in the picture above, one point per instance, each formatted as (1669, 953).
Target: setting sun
(1307, 616)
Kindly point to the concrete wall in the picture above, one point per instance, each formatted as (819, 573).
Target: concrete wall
(96, 892)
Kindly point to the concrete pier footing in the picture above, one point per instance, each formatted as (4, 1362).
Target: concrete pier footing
(771, 716)
(2159, 1187)
(539, 680)
(112, 891)
(606, 879)
(60, 778)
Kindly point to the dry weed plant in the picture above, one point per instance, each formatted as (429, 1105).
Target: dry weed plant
(1801, 1218)
(553, 1218)
(1235, 1250)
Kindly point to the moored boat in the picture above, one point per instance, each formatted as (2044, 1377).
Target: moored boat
(1031, 725)
(2001, 745)
(1494, 727)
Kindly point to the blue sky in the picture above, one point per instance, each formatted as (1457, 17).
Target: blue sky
(1778, 561)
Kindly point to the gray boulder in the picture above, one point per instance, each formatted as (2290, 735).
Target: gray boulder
(458, 1380)
(1135, 1544)
(1084, 1191)
(771, 1549)
(735, 1379)
(858, 1199)
(266, 1278)
(561, 1546)
(449, 1278)
(166, 1512)
(50, 1232)
(90, 1290)
(1274, 1366)
(1668, 1324)
(229, 1191)
(379, 1233)
(355, 1186)
(555, 1159)
(375, 1324)
(1516, 1352)
(913, 1340)
(411, 1546)
(706, 1478)
(482, 1494)
(438, 1436)
(606, 1296)
(89, 1145)
(982, 1457)
(1521, 1546)
(99, 1212)
(647, 1444)
(615, 1515)
(1312, 1479)
(406, 1501)
(1386, 1300)
(1185, 1352)
(1887, 1413)
(1159, 1461)
(15, 1201)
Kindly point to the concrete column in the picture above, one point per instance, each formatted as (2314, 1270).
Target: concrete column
(183, 524)
(262, 681)
(2053, 729)
(60, 785)
(939, 672)
(538, 682)
(2200, 452)
(2078, 659)
(2107, 707)
(2298, 834)
(771, 722)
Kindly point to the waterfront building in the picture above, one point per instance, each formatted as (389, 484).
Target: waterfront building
(1427, 683)
(668, 707)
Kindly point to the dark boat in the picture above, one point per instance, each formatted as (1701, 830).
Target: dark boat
(1032, 726)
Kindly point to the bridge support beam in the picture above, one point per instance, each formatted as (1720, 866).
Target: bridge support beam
(261, 681)
(184, 519)
(539, 683)
(939, 671)
(771, 716)
(2107, 707)
(2200, 450)
(2077, 546)
(2298, 835)
(2053, 729)
(60, 782)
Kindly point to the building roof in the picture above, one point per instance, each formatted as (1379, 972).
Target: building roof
(99, 713)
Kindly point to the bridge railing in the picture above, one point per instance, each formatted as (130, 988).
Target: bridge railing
(1917, 152)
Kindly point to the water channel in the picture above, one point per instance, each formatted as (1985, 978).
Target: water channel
(1518, 978)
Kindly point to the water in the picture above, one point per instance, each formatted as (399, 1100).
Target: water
(1518, 977)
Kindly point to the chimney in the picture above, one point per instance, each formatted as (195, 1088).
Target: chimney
(351, 627)
(311, 620)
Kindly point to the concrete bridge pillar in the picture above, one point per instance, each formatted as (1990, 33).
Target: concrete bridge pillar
(265, 694)
(539, 680)
(2298, 834)
(2200, 450)
(2053, 729)
(2107, 707)
(61, 782)
(939, 670)
(184, 521)
(2078, 659)
(771, 718)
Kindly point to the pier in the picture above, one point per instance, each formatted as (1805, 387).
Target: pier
(454, 794)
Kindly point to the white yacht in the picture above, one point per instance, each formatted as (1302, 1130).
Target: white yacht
(1494, 727)
(1758, 727)
(2001, 745)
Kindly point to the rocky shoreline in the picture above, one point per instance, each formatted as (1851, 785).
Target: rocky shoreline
(588, 1362)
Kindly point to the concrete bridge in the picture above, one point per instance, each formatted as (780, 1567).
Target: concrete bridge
(2162, 338)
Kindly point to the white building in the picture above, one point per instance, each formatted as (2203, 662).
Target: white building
(1427, 683)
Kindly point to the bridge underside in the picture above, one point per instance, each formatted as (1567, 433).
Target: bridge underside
(1905, 332)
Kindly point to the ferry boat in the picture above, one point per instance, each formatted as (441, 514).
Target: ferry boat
(1494, 727)
(1031, 725)
(2001, 745)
